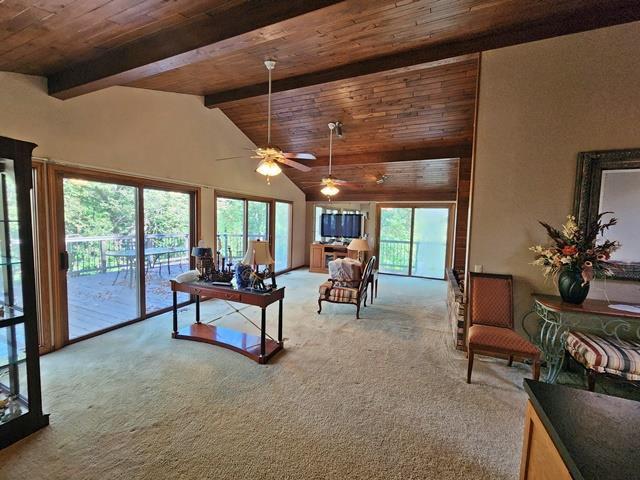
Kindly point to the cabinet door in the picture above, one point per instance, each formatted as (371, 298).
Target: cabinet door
(316, 260)
(540, 458)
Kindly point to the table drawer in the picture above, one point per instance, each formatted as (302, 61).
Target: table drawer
(231, 296)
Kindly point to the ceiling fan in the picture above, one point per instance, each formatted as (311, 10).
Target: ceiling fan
(270, 155)
(330, 184)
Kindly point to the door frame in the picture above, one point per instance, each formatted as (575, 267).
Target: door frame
(55, 196)
(450, 229)
(41, 254)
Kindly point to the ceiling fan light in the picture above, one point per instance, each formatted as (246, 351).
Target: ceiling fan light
(268, 168)
(329, 190)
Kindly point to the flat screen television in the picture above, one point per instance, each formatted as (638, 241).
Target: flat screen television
(341, 225)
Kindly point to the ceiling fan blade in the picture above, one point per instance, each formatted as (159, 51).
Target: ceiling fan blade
(315, 185)
(229, 158)
(293, 164)
(300, 156)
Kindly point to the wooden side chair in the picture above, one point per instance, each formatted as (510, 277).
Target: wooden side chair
(491, 322)
(330, 292)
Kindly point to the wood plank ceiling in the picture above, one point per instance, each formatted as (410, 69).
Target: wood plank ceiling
(41, 37)
(401, 110)
(400, 74)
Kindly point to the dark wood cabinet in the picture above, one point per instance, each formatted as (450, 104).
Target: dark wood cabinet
(20, 391)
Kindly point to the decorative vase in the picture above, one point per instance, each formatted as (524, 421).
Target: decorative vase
(243, 275)
(570, 285)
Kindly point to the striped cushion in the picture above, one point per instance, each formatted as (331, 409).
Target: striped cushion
(343, 294)
(605, 354)
(325, 288)
(338, 294)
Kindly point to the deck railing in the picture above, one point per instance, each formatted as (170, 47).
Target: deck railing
(111, 253)
(394, 254)
(235, 241)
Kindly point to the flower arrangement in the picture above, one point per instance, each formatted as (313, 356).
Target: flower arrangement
(576, 249)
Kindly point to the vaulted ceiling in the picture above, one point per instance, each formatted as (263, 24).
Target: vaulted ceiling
(400, 75)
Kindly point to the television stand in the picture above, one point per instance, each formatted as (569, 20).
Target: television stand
(322, 254)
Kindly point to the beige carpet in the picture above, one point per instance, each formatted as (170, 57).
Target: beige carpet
(382, 397)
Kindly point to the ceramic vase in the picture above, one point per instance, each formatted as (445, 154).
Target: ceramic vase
(570, 286)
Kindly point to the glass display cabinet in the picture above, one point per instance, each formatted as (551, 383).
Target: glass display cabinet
(20, 394)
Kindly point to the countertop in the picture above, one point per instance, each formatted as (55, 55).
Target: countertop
(598, 436)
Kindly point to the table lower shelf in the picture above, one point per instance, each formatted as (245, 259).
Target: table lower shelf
(241, 342)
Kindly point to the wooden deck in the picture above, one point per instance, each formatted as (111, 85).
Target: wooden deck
(100, 301)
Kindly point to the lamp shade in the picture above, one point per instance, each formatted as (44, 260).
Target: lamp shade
(258, 254)
(201, 252)
(359, 244)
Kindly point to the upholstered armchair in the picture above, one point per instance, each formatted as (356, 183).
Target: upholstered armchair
(336, 290)
(491, 322)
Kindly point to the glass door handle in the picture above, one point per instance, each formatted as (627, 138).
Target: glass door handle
(64, 261)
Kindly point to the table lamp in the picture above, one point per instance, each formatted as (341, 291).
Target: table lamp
(258, 254)
(204, 260)
(360, 245)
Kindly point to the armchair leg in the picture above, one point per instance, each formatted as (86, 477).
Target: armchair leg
(536, 369)
(470, 366)
(591, 380)
(358, 311)
(319, 306)
(510, 361)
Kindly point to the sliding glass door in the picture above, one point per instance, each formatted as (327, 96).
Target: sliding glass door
(100, 230)
(414, 240)
(257, 221)
(237, 222)
(167, 241)
(120, 241)
(395, 240)
(283, 236)
(429, 245)
(230, 213)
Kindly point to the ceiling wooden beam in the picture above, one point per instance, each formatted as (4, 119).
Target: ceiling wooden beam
(602, 14)
(400, 196)
(426, 153)
(179, 46)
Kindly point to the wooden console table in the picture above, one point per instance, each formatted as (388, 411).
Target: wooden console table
(258, 348)
(558, 318)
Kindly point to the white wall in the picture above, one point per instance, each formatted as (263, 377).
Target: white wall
(540, 104)
(162, 135)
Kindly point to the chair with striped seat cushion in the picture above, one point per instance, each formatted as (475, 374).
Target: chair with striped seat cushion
(335, 292)
(606, 355)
